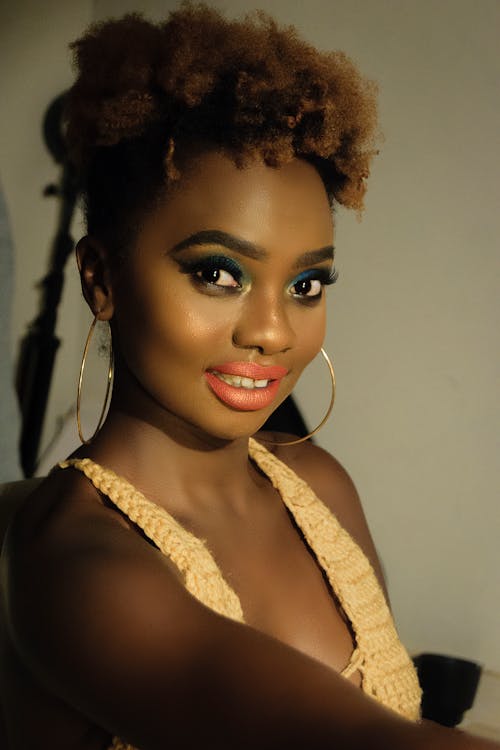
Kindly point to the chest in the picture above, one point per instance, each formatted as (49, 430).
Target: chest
(281, 586)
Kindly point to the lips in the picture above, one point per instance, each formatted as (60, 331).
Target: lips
(251, 370)
(246, 389)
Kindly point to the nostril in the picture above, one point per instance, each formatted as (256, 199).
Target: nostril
(238, 344)
(264, 326)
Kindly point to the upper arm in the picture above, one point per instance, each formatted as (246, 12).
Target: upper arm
(102, 620)
(106, 626)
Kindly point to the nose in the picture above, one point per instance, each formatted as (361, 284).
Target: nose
(264, 324)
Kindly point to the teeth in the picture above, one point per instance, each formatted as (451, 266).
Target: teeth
(238, 382)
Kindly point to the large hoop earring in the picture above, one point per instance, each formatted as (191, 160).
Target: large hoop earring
(329, 410)
(111, 368)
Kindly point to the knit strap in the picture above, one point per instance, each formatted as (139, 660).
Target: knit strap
(347, 568)
(202, 576)
(387, 671)
(356, 663)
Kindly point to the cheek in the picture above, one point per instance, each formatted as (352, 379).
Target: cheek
(170, 329)
(310, 327)
(310, 331)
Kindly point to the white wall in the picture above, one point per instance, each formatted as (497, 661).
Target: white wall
(34, 69)
(415, 319)
(414, 314)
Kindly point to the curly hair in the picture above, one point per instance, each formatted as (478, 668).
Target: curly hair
(249, 88)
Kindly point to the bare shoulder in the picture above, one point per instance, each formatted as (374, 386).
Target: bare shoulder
(65, 531)
(82, 589)
(332, 484)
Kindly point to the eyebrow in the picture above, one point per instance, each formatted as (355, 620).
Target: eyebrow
(249, 249)
(311, 257)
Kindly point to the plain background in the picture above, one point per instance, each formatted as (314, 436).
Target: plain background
(414, 317)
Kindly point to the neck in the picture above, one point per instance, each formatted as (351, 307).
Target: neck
(179, 465)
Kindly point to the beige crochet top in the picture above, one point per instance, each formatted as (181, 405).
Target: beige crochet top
(387, 673)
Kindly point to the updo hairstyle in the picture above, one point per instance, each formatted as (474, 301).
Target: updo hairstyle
(148, 94)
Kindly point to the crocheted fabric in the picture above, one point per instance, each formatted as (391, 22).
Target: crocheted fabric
(387, 672)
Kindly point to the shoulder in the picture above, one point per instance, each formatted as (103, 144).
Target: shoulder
(65, 527)
(324, 474)
(92, 608)
(99, 616)
(73, 565)
(331, 483)
(63, 512)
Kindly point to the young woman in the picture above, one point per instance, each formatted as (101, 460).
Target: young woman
(178, 582)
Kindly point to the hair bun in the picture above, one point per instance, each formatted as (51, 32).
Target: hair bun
(113, 96)
(249, 87)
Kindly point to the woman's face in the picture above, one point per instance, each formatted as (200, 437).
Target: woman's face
(227, 277)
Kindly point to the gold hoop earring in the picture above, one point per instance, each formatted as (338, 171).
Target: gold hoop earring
(80, 381)
(329, 410)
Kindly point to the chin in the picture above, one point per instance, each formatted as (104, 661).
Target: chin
(236, 427)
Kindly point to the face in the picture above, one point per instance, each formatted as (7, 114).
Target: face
(221, 303)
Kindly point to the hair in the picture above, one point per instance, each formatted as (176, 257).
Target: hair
(146, 94)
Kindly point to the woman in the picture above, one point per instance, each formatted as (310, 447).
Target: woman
(212, 153)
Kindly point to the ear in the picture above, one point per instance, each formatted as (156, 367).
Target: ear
(95, 275)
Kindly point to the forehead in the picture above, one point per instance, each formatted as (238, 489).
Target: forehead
(276, 208)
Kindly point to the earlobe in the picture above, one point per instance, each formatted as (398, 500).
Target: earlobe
(95, 276)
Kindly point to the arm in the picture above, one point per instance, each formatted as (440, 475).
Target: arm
(104, 622)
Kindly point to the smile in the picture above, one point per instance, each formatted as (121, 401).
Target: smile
(245, 386)
(239, 382)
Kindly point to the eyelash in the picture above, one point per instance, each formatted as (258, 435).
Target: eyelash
(211, 264)
(323, 275)
(214, 263)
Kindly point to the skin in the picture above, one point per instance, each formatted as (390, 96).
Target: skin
(105, 640)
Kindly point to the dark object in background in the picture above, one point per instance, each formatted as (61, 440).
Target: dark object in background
(449, 687)
(287, 418)
(39, 345)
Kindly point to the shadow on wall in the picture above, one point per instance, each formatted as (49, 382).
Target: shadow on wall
(9, 416)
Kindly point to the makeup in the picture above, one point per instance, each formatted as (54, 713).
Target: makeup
(308, 286)
(222, 274)
(215, 273)
(245, 386)
(221, 278)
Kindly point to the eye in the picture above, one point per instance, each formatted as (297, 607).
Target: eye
(214, 273)
(307, 288)
(217, 277)
(309, 285)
